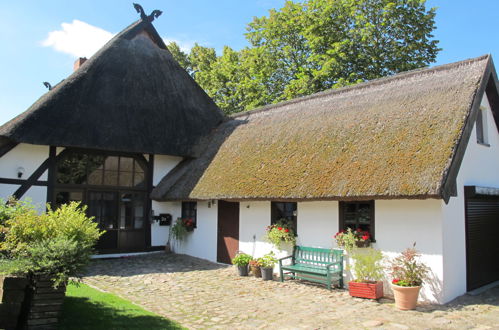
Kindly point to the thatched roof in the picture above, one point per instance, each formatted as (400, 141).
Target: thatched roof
(395, 137)
(130, 96)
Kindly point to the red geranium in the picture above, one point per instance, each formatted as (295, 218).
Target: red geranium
(286, 230)
(280, 228)
(395, 280)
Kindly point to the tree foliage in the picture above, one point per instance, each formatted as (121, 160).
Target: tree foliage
(314, 45)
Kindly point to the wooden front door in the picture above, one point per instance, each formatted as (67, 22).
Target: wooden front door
(228, 231)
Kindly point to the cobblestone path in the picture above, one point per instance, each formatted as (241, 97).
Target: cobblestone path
(200, 294)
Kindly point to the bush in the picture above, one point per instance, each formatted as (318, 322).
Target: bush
(57, 244)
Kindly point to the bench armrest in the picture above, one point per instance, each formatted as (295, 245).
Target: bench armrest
(281, 259)
(328, 266)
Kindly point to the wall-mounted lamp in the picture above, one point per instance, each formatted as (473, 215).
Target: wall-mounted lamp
(20, 172)
(209, 204)
(248, 206)
(213, 202)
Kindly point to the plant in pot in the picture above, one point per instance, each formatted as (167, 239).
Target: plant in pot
(267, 266)
(408, 276)
(368, 270)
(46, 249)
(350, 239)
(255, 267)
(181, 228)
(280, 233)
(241, 260)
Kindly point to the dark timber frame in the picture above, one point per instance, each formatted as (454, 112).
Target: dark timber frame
(342, 205)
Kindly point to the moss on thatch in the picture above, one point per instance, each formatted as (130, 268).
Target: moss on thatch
(390, 138)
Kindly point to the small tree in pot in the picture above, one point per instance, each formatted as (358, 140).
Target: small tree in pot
(268, 261)
(408, 276)
(241, 260)
(368, 270)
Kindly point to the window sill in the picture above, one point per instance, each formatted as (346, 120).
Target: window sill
(483, 144)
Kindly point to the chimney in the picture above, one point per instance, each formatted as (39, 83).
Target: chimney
(79, 62)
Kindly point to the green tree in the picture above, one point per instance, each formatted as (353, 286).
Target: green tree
(314, 45)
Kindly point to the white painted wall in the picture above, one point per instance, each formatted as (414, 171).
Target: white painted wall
(480, 167)
(202, 242)
(162, 165)
(400, 223)
(30, 157)
(254, 217)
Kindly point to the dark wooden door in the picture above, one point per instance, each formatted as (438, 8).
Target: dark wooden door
(482, 249)
(228, 231)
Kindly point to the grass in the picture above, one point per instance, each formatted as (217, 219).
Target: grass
(88, 308)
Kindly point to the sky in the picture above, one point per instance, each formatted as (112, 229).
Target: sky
(40, 40)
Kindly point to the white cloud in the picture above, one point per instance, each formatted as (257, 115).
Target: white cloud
(78, 38)
(185, 46)
(81, 39)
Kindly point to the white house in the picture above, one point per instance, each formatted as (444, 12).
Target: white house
(410, 158)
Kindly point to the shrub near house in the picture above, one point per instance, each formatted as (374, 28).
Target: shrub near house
(48, 249)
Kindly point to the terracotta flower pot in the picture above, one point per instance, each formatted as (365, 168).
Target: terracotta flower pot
(372, 290)
(406, 297)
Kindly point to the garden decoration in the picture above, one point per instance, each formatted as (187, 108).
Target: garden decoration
(368, 270)
(408, 276)
(241, 260)
(350, 239)
(181, 228)
(280, 233)
(268, 261)
(255, 267)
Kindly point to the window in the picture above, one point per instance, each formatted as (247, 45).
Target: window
(284, 210)
(357, 215)
(189, 211)
(481, 127)
(100, 170)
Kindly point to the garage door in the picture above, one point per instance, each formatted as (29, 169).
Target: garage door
(482, 239)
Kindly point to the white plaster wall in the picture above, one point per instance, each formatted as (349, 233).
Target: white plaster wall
(480, 167)
(28, 156)
(202, 242)
(317, 223)
(254, 217)
(162, 165)
(400, 223)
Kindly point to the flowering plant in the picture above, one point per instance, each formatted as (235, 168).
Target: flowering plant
(349, 239)
(407, 270)
(255, 262)
(181, 228)
(280, 233)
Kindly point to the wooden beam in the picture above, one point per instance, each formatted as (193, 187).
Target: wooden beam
(21, 182)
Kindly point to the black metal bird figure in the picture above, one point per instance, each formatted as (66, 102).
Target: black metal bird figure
(48, 85)
(155, 14)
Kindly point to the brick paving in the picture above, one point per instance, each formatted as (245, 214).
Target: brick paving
(199, 294)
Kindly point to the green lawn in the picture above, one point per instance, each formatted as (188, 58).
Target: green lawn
(88, 308)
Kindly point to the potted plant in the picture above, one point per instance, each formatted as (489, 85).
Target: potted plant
(349, 239)
(280, 233)
(255, 267)
(241, 260)
(368, 270)
(181, 228)
(408, 276)
(267, 266)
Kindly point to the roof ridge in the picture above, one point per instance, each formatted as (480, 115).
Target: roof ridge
(362, 85)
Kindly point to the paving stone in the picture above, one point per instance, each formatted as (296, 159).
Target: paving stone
(200, 294)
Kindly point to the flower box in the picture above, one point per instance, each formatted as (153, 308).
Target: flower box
(373, 290)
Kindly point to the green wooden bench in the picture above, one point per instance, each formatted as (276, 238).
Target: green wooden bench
(314, 264)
